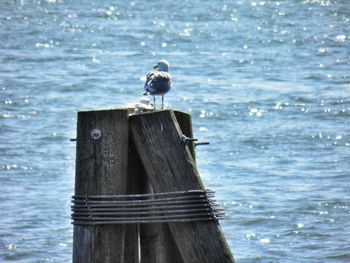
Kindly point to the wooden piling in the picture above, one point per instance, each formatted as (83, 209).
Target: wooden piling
(118, 154)
(170, 166)
(157, 243)
(101, 169)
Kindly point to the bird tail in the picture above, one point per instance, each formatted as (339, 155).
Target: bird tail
(145, 93)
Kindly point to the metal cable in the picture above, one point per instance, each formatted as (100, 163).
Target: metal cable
(181, 206)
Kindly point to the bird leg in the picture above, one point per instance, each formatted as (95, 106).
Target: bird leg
(154, 102)
(162, 101)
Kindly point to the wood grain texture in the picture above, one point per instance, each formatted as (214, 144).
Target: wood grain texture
(101, 169)
(157, 245)
(132, 231)
(170, 167)
(185, 123)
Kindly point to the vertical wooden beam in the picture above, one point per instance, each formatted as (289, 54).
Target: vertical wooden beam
(185, 123)
(157, 244)
(132, 231)
(170, 167)
(170, 250)
(152, 241)
(101, 169)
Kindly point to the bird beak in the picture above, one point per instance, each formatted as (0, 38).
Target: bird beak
(155, 66)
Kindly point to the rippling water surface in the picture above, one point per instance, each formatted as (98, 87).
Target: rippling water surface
(267, 83)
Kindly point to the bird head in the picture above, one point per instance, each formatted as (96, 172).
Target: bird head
(162, 65)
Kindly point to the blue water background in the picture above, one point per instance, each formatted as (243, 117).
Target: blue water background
(266, 82)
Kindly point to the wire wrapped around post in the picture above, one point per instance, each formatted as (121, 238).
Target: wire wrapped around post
(182, 206)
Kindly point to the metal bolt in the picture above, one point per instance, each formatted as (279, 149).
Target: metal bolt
(200, 143)
(95, 134)
(187, 140)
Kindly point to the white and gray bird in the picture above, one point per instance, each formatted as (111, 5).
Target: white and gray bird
(158, 81)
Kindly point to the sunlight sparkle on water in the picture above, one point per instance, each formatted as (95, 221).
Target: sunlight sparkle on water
(264, 240)
(340, 38)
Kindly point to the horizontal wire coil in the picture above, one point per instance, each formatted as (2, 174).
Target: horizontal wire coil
(181, 206)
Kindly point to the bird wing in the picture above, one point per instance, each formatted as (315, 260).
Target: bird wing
(150, 76)
(153, 79)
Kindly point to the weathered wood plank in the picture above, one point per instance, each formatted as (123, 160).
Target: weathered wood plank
(170, 167)
(185, 123)
(132, 231)
(101, 169)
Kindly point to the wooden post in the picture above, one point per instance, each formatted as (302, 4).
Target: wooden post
(169, 248)
(157, 243)
(170, 167)
(101, 169)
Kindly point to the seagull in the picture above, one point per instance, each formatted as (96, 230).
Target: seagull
(158, 81)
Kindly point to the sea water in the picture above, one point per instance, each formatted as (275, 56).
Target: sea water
(266, 82)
